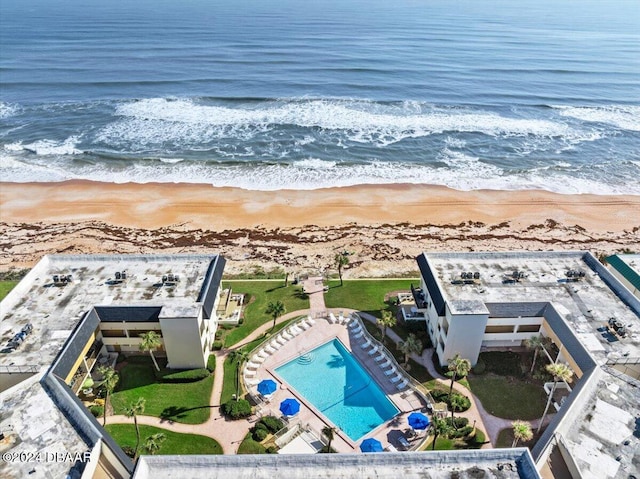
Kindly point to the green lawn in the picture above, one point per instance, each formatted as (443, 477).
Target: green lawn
(181, 402)
(261, 294)
(5, 287)
(249, 446)
(503, 396)
(364, 295)
(176, 443)
(229, 380)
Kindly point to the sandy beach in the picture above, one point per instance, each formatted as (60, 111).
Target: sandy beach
(384, 226)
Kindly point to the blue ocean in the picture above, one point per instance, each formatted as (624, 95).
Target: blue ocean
(272, 94)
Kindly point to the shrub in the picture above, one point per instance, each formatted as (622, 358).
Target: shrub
(441, 395)
(211, 363)
(465, 403)
(96, 410)
(237, 409)
(185, 376)
(272, 450)
(272, 423)
(260, 434)
(480, 367)
(128, 450)
(217, 345)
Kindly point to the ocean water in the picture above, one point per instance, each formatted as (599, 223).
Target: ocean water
(292, 94)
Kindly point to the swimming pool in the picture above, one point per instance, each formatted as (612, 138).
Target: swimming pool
(331, 379)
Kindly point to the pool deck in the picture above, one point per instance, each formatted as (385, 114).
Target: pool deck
(322, 331)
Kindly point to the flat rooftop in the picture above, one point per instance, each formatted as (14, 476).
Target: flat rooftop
(586, 304)
(54, 310)
(497, 463)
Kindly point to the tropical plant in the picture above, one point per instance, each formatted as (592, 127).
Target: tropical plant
(154, 442)
(521, 432)
(110, 379)
(411, 345)
(536, 343)
(275, 309)
(134, 410)
(387, 321)
(341, 260)
(328, 432)
(560, 372)
(150, 342)
(239, 356)
(458, 367)
(439, 427)
(457, 402)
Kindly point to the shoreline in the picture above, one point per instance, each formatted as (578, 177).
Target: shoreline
(385, 226)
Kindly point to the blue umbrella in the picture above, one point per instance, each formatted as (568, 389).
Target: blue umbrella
(290, 407)
(267, 386)
(418, 421)
(371, 445)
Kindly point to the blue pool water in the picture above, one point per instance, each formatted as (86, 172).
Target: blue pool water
(331, 379)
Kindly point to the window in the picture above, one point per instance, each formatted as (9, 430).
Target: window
(499, 329)
(529, 328)
(113, 333)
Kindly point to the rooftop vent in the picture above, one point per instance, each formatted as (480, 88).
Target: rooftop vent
(17, 339)
(575, 275)
(170, 279)
(62, 279)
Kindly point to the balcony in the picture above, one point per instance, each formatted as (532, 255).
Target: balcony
(420, 298)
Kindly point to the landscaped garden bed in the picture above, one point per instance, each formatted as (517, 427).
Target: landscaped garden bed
(175, 443)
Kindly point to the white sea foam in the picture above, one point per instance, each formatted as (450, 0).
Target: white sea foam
(625, 117)
(8, 109)
(157, 121)
(47, 147)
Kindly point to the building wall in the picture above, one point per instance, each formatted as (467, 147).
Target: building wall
(463, 336)
(508, 332)
(185, 345)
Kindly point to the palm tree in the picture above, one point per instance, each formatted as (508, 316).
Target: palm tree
(151, 341)
(239, 356)
(410, 346)
(459, 368)
(440, 428)
(521, 432)
(536, 343)
(154, 442)
(456, 402)
(133, 410)
(276, 310)
(560, 372)
(110, 379)
(340, 260)
(328, 432)
(387, 321)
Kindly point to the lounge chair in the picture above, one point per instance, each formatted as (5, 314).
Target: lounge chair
(390, 371)
(396, 379)
(373, 351)
(270, 349)
(249, 374)
(332, 318)
(281, 340)
(251, 382)
(304, 325)
(391, 448)
(275, 344)
(295, 330)
(402, 385)
(310, 320)
(356, 330)
(341, 318)
(359, 335)
(286, 335)
(386, 363)
(354, 324)
(366, 344)
(380, 357)
(404, 443)
(264, 354)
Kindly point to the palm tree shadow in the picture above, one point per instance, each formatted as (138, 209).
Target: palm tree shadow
(172, 413)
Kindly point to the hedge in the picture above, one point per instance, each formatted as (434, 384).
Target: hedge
(237, 409)
(184, 376)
